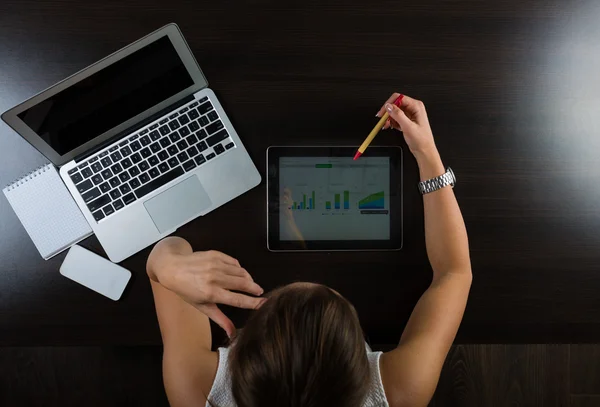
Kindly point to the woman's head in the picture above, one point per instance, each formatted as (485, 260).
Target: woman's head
(304, 347)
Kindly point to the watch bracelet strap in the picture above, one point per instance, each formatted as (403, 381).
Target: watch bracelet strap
(436, 183)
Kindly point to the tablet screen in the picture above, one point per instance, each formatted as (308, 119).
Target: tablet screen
(334, 198)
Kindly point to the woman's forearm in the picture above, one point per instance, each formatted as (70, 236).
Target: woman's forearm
(445, 232)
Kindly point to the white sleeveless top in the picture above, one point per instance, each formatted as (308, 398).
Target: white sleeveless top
(221, 395)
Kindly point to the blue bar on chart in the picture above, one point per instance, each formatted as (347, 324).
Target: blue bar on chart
(303, 204)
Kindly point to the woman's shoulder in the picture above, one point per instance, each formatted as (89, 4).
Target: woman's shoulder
(376, 395)
(220, 392)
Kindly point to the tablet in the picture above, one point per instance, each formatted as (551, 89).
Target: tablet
(319, 198)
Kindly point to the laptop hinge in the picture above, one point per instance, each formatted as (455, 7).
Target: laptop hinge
(133, 128)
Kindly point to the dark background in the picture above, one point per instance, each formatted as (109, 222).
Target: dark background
(512, 90)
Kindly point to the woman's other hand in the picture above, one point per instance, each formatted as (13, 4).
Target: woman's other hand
(204, 279)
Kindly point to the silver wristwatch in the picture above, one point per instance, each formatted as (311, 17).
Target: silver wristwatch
(436, 183)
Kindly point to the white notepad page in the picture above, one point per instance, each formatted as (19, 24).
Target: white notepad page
(47, 211)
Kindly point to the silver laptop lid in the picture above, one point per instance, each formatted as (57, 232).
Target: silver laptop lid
(114, 94)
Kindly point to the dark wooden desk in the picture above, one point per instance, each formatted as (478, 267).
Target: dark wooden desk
(513, 94)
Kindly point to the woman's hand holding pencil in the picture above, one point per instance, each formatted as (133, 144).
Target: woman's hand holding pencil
(408, 115)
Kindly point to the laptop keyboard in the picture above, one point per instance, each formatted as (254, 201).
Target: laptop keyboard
(173, 145)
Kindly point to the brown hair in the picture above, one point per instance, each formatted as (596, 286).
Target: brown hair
(303, 348)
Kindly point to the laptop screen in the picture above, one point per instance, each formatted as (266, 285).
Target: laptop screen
(109, 97)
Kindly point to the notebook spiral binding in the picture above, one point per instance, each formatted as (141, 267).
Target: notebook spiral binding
(29, 176)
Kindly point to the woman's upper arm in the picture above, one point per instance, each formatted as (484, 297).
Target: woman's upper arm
(411, 371)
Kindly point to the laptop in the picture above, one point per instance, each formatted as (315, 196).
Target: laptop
(143, 145)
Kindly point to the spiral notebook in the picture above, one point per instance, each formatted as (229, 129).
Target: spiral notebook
(47, 211)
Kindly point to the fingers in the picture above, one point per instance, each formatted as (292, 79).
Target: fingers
(235, 271)
(221, 264)
(225, 258)
(413, 108)
(214, 254)
(238, 300)
(215, 314)
(391, 124)
(399, 116)
(241, 284)
(407, 101)
(391, 99)
(394, 125)
(232, 270)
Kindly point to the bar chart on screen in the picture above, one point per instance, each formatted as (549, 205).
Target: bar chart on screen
(302, 204)
(337, 204)
(335, 197)
(372, 201)
(310, 204)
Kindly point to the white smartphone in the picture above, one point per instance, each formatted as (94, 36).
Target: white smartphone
(95, 272)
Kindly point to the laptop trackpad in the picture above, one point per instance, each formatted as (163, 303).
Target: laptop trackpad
(178, 204)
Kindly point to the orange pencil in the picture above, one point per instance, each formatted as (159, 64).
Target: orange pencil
(376, 129)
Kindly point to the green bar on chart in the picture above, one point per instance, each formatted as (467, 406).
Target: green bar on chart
(346, 199)
(304, 202)
(327, 204)
(337, 201)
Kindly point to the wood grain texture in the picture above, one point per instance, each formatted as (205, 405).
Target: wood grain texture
(585, 369)
(82, 376)
(504, 375)
(512, 90)
(585, 401)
